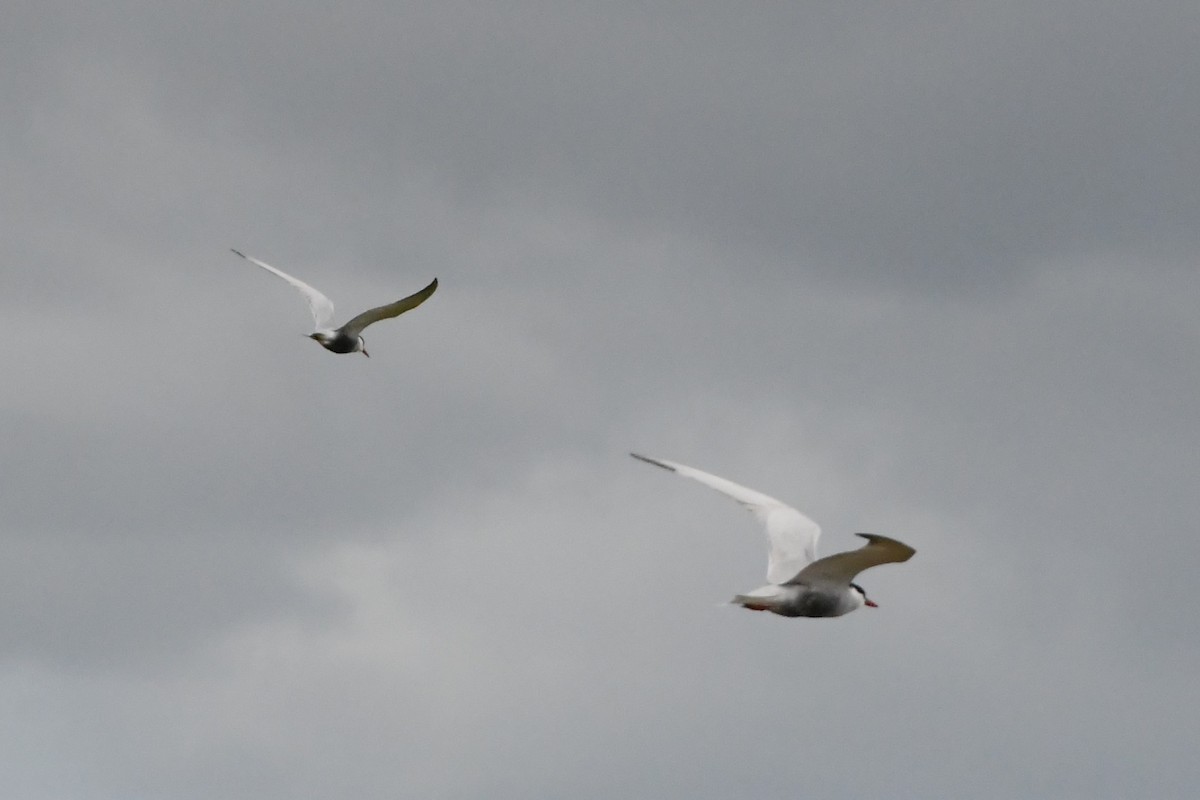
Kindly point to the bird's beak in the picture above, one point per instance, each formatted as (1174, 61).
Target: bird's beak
(872, 604)
(365, 353)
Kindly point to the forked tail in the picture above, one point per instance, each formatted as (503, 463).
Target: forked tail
(755, 602)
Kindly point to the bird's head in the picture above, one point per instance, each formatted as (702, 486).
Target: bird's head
(362, 347)
(863, 594)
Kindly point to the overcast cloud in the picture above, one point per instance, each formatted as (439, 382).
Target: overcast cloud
(923, 269)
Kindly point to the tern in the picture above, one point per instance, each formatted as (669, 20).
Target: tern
(801, 585)
(348, 338)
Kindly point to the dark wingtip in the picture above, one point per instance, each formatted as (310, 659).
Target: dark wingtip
(887, 540)
(239, 252)
(652, 461)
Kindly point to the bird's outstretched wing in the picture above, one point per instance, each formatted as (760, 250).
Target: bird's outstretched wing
(840, 568)
(320, 305)
(355, 326)
(791, 536)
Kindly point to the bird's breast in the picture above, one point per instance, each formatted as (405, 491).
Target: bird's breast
(341, 343)
(808, 602)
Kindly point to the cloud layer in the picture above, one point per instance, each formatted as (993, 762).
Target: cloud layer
(925, 270)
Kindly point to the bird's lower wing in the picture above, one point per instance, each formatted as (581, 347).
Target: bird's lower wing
(320, 305)
(841, 568)
(355, 326)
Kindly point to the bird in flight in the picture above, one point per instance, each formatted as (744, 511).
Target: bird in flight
(801, 585)
(348, 338)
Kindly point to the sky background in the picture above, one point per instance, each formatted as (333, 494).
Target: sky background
(922, 269)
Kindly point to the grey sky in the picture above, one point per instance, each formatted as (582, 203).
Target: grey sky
(920, 269)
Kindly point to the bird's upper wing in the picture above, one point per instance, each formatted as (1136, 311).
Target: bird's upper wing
(320, 305)
(791, 536)
(840, 568)
(355, 326)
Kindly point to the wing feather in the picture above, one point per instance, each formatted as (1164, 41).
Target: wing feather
(355, 326)
(791, 536)
(840, 568)
(320, 305)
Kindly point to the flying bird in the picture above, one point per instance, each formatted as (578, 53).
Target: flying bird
(348, 338)
(801, 585)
